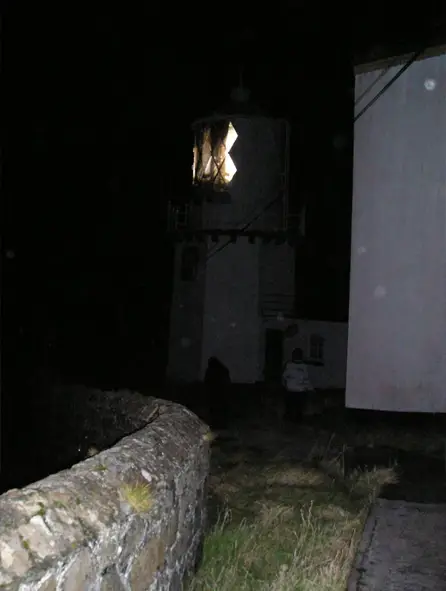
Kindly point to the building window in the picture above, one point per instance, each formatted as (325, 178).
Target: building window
(212, 162)
(317, 348)
(189, 263)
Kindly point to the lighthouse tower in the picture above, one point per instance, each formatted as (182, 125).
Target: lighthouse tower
(234, 245)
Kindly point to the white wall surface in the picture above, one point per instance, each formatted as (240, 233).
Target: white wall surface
(332, 373)
(397, 325)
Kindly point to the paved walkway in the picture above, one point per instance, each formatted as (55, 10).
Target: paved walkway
(403, 548)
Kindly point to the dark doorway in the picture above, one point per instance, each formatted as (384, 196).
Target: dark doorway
(273, 355)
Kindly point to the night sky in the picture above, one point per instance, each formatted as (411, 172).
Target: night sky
(99, 140)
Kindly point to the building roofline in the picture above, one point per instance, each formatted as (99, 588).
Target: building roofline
(362, 65)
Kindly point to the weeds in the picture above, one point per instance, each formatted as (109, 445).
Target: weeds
(286, 525)
(138, 496)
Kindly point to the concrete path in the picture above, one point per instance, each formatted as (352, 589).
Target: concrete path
(403, 548)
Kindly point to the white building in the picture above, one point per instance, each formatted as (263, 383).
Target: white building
(234, 278)
(397, 323)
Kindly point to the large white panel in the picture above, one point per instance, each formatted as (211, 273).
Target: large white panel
(397, 324)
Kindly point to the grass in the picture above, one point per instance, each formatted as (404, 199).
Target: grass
(282, 524)
(138, 495)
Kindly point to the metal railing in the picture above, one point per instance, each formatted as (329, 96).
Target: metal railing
(188, 216)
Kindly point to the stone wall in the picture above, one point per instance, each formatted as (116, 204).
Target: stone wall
(129, 517)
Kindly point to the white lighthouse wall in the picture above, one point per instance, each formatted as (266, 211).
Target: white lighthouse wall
(235, 276)
(220, 315)
(331, 374)
(186, 322)
(277, 269)
(231, 322)
(397, 324)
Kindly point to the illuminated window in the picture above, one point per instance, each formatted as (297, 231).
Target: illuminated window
(212, 161)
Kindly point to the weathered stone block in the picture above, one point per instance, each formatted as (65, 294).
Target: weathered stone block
(147, 562)
(80, 573)
(131, 516)
(111, 581)
(47, 583)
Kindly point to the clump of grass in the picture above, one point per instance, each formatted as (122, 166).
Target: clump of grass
(209, 436)
(287, 526)
(92, 451)
(138, 495)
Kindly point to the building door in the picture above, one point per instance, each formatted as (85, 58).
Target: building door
(272, 371)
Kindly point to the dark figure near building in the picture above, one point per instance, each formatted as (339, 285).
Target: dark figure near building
(217, 381)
